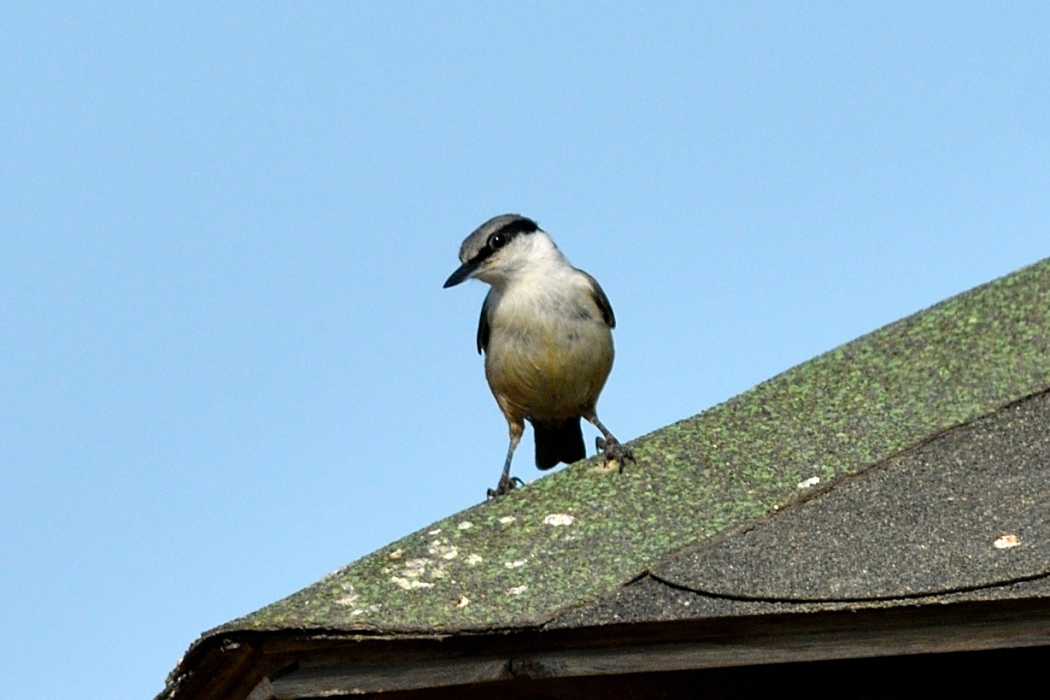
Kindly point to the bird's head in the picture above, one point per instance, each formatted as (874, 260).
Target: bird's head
(499, 248)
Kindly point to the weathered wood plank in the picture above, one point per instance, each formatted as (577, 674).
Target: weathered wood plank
(739, 642)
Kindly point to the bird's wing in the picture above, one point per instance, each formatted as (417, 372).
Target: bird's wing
(483, 325)
(601, 300)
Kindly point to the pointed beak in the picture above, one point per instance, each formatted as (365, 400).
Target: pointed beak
(461, 274)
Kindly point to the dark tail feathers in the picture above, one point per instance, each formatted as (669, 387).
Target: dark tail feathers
(558, 443)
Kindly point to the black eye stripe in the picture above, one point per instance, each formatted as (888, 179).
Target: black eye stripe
(505, 234)
(513, 228)
(483, 255)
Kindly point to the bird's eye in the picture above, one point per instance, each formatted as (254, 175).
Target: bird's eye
(498, 240)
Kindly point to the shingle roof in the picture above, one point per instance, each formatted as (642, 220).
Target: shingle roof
(894, 470)
(962, 517)
(568, 539)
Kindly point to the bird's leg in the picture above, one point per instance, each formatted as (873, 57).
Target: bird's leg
(608, 445)
(506, 483)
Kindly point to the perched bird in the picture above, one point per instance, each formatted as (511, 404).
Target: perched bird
(545, 330)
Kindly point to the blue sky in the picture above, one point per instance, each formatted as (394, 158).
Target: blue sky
(227, 365)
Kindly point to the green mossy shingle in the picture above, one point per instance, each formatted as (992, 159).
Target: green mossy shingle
(832, 416)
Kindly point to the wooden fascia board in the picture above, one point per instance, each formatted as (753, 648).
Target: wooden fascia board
(674, 646)
(293, 664)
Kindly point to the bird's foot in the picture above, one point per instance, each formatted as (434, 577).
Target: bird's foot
(616, 455)
(505, 486)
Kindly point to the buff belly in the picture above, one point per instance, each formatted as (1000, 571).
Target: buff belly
(548, 369)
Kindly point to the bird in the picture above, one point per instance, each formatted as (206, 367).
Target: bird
(546, 335)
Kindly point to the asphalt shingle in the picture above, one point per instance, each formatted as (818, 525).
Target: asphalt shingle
(965, 510)
(569, 539)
